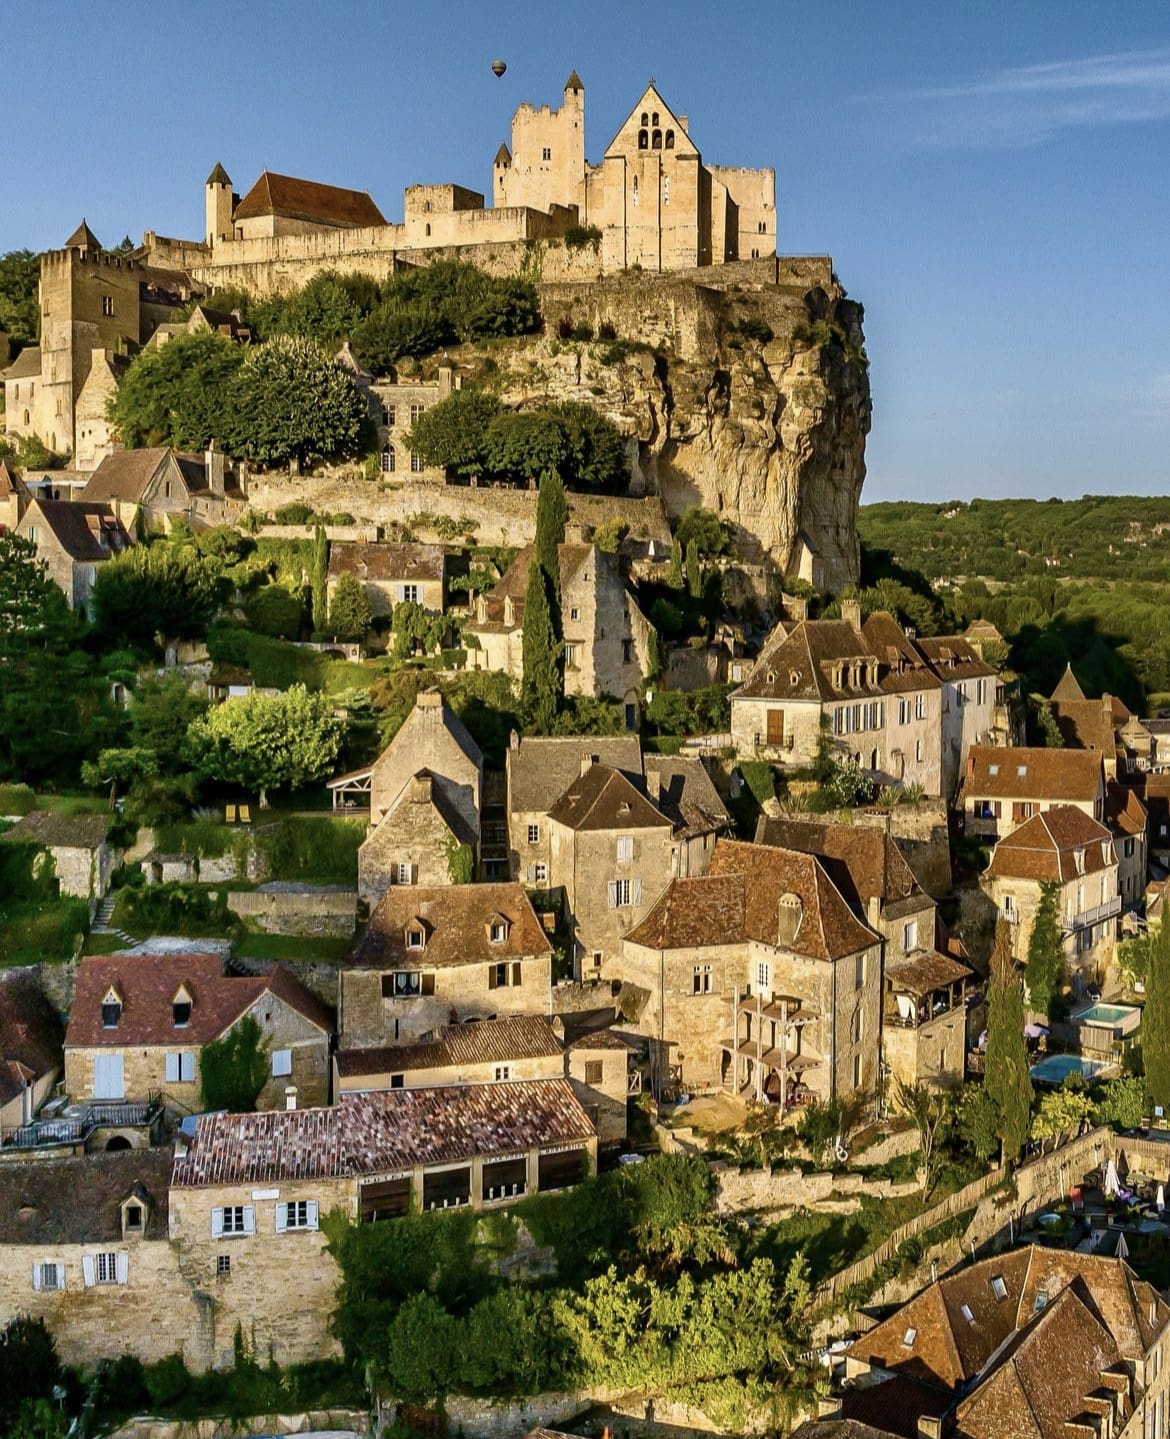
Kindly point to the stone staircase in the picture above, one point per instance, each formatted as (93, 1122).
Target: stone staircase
(102, 925)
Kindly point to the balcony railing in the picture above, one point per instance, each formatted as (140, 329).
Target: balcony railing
(1088, 917)
(75, 1125)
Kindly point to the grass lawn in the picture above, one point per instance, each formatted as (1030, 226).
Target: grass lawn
(830, 1242)
(41, 930)
(320, 948)
(74, 803)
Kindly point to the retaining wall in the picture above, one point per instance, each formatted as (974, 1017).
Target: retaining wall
(298, 912)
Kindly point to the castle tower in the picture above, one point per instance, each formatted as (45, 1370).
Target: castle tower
(217, 194)
(503, 163)
(546, 166)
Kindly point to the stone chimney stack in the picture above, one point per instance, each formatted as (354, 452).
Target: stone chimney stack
(851, 613)
(213, 467)
(653, 785)
(588, 761)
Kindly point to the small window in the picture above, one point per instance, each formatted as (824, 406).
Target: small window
(627, 652)
(281, 1063)
(570, 656)
(910, 935)
(107, 305)
(670, 139)
(389, 459)
(134, 1216)
(111, 1014)
(415, 939)
(998, 1287)
(654, 118)
(107, 1267)
(410, 594)
(656, 140)
(179, 1067)
(597, 959)
(546, 153)
(181, 1013)
(643, 139)
(49, 1276)
(389, 416)
(859, 971)
(909, 1337)
(499, 931)
(625, 848)
(666, 189)
(593, 1071)
(635, 192)
(234, 1219)
(534, 834)
(428, 227)
(296, 1214)
(415, 412)
(223, 1265)
(574, 613)
(965, 1311)
(1041, 1301)
(1021, 770)
(416, 464)
(502, 1072)
(540, 874)
(993, 769)
(402, 872)
(763, 976)
(407, 982)
(398, 1081)
(701, 979)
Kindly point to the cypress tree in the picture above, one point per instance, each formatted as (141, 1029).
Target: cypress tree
(694, 571)
(674, 575)
(1156, 1018)
(320, 580)
(552, 511)
(1044, 970)
(541, 688)
(1007, 1082)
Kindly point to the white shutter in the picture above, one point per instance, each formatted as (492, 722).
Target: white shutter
(612, 889)
(312, 1212)
(637, 891)
(187, 1066)
(217, 1224)
(531, 874)
(122, 1267)
(87, 1270)
(281, 1218)
(36, 1276)
(249, 1219)
(172, 1069)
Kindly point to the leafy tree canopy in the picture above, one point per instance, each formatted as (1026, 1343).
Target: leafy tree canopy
(350, 616)
(20, 313)
(161, 588)
(177, 393)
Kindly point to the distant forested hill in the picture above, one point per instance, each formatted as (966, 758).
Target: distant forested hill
(1098, 537)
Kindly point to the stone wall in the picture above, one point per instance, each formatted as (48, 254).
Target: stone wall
(921, 833)
(762, 1189)
(303, 911)
(335, 1422)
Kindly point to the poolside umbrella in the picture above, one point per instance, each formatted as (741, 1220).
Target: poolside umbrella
(1112, 1183)
(1122, 1250)
(1160, 1198)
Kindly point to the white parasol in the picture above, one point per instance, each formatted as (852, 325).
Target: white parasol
(1112, 1183)
(1122, 1247)
(1160, 1198)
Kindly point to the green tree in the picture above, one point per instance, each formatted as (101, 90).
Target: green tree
(265, 742)
(595, 447)
(542, 685)
(29, 1367)
(320, 579)
(1123, 1103)
(694, 571)
(460, 861)
(350, 616)
(1044, 969)
(523, 446)
(20, 311)
(1007, 1082)
(177, 393)
(161, 588)
(275, 611)
(930, 1111)
(609, 535)
(422, 1349)
(976, 1121)
(674, 575)
(234, 1069)
(706, 529)
(552, 512)
(1059, 1111)
(452, 435)
(161, 712)
(1156, 1019)
(396, 332)
(116, 767)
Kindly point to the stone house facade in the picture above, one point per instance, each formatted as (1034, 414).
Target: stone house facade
(606, 635)
(14, 498)
(1068, 848)
(412, 843)
(1004, 788)
(391, 574)
(138, 1029)
(761, 981)
(1128, 821)
(83, 858)
(151, 489)
(443, 955)
(95, 438)
(395, 405)
(969, 708)
(598, 1067)
(74, 540)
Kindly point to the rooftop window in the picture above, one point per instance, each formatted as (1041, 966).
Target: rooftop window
(965, 1311)
(909, 1337)
(998, 1287)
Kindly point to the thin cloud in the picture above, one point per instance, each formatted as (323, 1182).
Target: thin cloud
(1031, 104)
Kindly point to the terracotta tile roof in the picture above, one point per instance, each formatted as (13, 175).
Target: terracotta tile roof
(604, 799)
(57, 830)
(80, 527)
(1124, 809)
(274, 194)
(739, 899)
(78, 1200)
(11, 483)
(1045, 847)
(804, 665)
(953, 657)
(31, 1035)
(892, 1407)
(1041, 774)
(376, 1133)
(686, 795)
(1067, 687)
(26, 366)
(490, 1041)
(926, 971)
(387, 561)
(147, 985)
(456, 920)
(864, 861)
(1086, 724)
(604, 1039)
(540, 769)
(902, 669)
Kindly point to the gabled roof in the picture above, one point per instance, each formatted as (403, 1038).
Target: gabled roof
(925, 972)
(650, 101)
(31, 1035)
(804, 664)
(1068, 686)
(54, 829)
(1038, 774)
(83, 238)
(147, 987)
(456, 919)
(1045, 847)
(541, 768)
(285, 195)
(490, 1041)
(953, 657)
(385, 561)
(128, 474)
(901, 668)
(863, 860)
(78, 1200)
(1124, 809)
(513, 585)
(426, 703)
(422, 788)
(368, 1134)
(739, 899)
(26, 366)
(1086, 724)
(503, 156)
(686, 795)
(79, 527)
(602, 798)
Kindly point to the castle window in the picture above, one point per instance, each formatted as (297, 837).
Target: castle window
(388, 459)
(656, 140)
(389, 415)
(416, 463)
(755, 254)
(666, 190)
(645, 118)
(654, 118)
(670, 139)
(635, 192)
(762, 228)
(415, 412)
(107, 304)
(546, 153)
(428, 227)
(643, 139)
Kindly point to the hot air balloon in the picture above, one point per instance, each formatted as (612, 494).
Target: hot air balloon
(498, 68)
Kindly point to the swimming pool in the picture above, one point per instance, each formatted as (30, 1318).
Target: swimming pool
(1055, 1068)
(1111, 1014)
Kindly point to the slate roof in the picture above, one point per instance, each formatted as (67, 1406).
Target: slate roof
(147, 985)
(801, 666)
(604, 799)
(31, 1035)
(1045, 847)
(456, 919)
(738, 899)
(76, 526)
(513, 585)
(376, 1133)
(387, 561)
(686, 795)
(1048, 774)
(490, 1041)
(26, 366)
(59, 831)
(48, 1202)
(126, 474)
(84, 237)
(540, 769)
(864, 861)
(274, 194)
(218, 176)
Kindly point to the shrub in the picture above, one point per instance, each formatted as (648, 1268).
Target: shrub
(578, 236)
(752, 327)
(295, 514)
(17, 799)
(276, 612)
(234, 1069)
(178, 909)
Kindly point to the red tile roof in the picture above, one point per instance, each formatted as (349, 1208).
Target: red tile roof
(1045, 847)
(602, 798)
(456, 920)
(274, 194)
(863, 860)
(1041, 774)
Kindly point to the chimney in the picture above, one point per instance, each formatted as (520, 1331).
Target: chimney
(290, 1096)
(429, 700)
(653, 785)
(851, 613)
(930, 1426)
(213, 467)
(588, 761)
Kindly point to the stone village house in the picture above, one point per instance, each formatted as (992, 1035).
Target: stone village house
(79, 846)
(1004, 788)
(30, 1052)
(391, 574)
(139, 1026)
(14, 498)
(73, 539)
(150, 489)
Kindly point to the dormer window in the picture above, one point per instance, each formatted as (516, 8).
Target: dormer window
(416, 937)
(793, 678)
(965, 1311)
(111, 1009)
(998, 1287)
(499, 929)
(181, 1008)
(909, 1337)
(134, 1216)
(993, 769)
(1079, 858)
(1021, 770)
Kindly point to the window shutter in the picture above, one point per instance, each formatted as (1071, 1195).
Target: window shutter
(281, 1218)
(249, 1219)
(531, 874)
(428, 984)
(36, 1276)
(87, 1270)
(122, 1267)
(515, 971)
(187, 1066)
(637, 891)
(217, 1223)
(172, 1068)
(613, 894)
(312, 1213)
(492, 976)
(414, 874)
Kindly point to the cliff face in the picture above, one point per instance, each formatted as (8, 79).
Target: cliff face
(767, 432)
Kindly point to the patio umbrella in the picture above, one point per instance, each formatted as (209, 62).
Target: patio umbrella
(1122, 1250)
(1160, 1198)
(1112, 1183)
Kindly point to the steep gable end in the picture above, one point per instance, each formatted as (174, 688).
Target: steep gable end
(667, 123)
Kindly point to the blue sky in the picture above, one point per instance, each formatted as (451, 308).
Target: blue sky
(990, 178)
